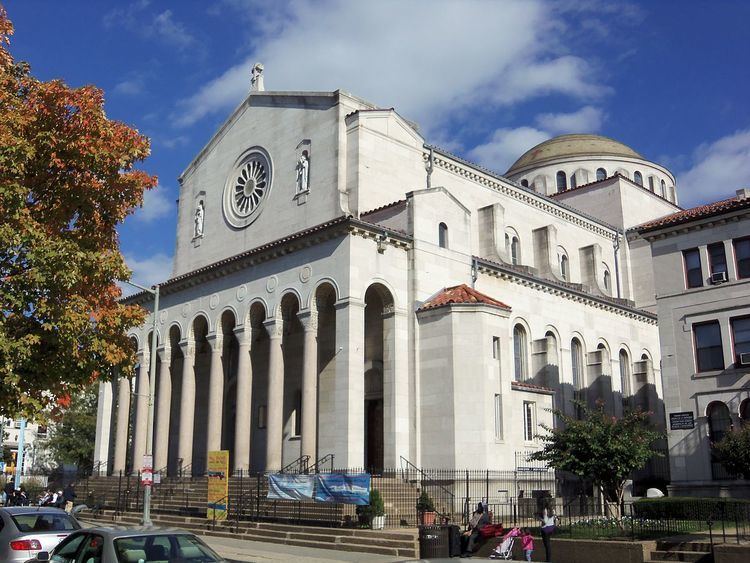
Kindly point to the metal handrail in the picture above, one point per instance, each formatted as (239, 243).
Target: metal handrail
(426, 477)
(315, 467)
(301, 462)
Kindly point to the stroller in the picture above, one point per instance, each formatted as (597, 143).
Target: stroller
(505, 549)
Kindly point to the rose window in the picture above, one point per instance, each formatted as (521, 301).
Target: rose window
(247, 188)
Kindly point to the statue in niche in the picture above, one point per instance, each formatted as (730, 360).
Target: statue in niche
(198, 220)
(303, 173)
(256, 78)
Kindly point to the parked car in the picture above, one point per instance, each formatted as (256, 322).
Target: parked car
(27, 530)
(131, 545)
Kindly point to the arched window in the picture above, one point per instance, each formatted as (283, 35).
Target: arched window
(651, 183)
(515, 251)
(525, 183)
(443, 235)
(601, 174)
(638, 178)
(564, 268)
(520, 349)
(562, 181)
(507, 244)
(625, 376)
(607, 280)
(573, 182)
(719, 422)
(576, 359)
(663, 188)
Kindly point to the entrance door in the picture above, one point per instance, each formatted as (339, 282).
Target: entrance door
(374, 435)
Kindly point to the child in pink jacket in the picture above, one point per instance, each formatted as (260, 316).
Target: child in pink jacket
(527, 543)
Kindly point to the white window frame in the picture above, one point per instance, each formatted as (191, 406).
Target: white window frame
(529, 421)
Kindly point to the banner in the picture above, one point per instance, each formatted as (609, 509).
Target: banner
(290, 487)
(343, 488)
(218, 484)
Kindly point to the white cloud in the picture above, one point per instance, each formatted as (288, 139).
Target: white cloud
(718, 170)
(588, 119)
(138, 18)
(157, 203)
(426, 58)
(147, 271)
(129, 87)
(507, 144)
(171, 31)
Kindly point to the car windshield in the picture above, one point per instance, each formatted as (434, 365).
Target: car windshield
(44, 522)
(164, 548)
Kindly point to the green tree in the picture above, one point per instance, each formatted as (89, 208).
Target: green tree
(733, 451)
(67, 180)
(71, 436)
(600, 447)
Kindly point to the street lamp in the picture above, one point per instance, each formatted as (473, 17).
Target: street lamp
(147, 483)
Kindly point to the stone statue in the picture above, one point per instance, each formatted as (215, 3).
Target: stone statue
(256, 80)
(303, 173)
(198, 219)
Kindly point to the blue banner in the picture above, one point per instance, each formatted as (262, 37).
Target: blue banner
(290, 487)
(343, 488)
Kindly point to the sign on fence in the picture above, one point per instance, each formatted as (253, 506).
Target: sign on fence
(283, 486)
(218, 484)
(339, 488)
(343, 488)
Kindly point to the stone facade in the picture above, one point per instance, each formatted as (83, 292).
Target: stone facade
(299, 323)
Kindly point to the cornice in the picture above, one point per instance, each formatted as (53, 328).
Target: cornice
(559, 289)
(695, 224)
(507, 187)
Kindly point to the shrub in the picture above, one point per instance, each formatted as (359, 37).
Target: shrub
(688, 508)
(376, 508)
(425, 504)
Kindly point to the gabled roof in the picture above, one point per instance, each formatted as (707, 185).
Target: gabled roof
(700, 212)
(461, 294)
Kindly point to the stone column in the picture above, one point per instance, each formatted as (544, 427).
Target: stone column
(309, 413)
(349, 432)
(141, 412)
(243, 418)
(395, 386)
(103, 427)
(187, 403)
(123, 417)
(163, 406)
(275, 408)
(215, 393)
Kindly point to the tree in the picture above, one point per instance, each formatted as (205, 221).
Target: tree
(67, 179)
(71, 437)
(600, 447)
(733, 451)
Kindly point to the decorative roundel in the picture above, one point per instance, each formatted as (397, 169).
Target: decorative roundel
(247, 187)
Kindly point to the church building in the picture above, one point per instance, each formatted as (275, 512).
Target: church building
(343, 288)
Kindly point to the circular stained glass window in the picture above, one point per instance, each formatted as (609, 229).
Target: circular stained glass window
(247, 188)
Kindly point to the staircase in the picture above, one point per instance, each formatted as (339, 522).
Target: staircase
(671, 550)
(402, 544)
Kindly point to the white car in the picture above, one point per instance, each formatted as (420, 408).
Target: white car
(27, 530)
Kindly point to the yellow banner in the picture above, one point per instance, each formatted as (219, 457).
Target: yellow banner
(218, 485)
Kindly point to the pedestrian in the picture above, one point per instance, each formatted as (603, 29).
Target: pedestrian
(69, 494)
(547, 518)
(22, 497)
(9, 490)
(527, 543)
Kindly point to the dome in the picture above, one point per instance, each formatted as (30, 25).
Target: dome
(571, 146)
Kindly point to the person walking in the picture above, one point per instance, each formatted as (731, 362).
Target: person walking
(548, 528)
(527, 543)
(69, 494)
(9, 490)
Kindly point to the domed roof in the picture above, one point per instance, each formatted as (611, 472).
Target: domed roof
(570, 146)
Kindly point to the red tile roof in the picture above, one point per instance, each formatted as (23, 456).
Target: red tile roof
(531, 386)
(700, 212)
(383, 207)
(461, 294)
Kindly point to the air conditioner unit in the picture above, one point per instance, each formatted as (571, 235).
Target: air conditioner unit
(745, 359)
(718, 277)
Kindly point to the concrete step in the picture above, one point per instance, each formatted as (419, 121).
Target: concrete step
(679, 555)
(671, 545)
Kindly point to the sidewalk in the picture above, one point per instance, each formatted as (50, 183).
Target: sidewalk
(244, 550)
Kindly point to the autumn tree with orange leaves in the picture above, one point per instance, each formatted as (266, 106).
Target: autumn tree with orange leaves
(67, 179)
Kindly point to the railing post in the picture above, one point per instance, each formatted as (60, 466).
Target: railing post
(723, 517)
(257, 498)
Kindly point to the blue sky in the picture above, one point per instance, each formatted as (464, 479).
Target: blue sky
(485, 79)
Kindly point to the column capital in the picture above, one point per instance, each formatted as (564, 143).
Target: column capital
(348, 302)
(164, 352)
(188, 348)
(244, 335)
(309, 319)
(274, 327)
(144, 355)
(216, 341)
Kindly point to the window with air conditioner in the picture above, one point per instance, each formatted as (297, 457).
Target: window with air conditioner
(717, 260)
(741, 340)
